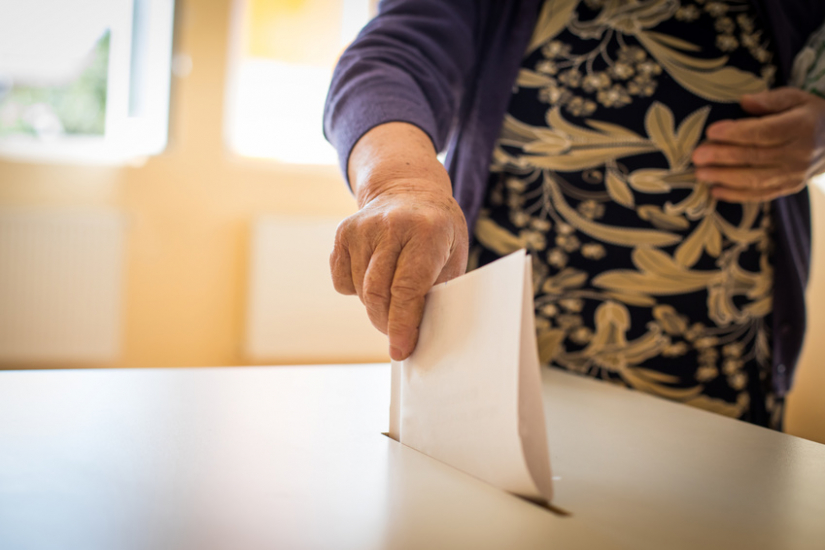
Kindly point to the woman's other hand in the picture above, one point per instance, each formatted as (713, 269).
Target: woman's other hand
(769, 155)
(408, 235)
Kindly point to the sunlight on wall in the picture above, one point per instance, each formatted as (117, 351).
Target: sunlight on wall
(277, 112)
(285, 51)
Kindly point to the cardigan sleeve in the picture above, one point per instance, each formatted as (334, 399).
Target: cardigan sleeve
(411, 63)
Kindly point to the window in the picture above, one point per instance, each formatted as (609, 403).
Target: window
(285, 51)
(84, 80)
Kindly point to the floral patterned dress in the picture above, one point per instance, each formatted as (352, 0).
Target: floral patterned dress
(642, 278)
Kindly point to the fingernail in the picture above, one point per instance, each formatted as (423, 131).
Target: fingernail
(396, 354)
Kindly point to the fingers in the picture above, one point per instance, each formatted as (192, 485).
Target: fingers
(766, 131)
(773, 101)
(722, 154)
(359, 253)
(415, 273)
(357, 269)
(391, 253)
(350, 259)
(778, 119)
(742, 178)
(750, 184)
(376, 293)
(339, 263)
(728, 194)
(779, 148)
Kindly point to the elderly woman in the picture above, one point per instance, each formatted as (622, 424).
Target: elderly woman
(639, 149)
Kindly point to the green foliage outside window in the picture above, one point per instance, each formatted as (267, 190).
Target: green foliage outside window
(77, 107)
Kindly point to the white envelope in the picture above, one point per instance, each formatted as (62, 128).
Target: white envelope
(470, 394)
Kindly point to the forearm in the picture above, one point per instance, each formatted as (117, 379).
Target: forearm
(395, 157)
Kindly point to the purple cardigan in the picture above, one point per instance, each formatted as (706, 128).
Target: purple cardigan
(447, 66)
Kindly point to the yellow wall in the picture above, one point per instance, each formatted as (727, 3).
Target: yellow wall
(189, 211)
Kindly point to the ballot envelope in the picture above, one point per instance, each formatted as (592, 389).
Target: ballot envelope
(470, 394)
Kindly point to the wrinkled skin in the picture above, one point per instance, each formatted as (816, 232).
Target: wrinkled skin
(769, 155)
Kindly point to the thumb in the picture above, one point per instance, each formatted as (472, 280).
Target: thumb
(773, 101)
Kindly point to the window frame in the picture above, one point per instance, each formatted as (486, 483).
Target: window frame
(139, 66)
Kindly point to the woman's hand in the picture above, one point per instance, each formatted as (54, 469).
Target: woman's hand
(767, 156)
(408, 235)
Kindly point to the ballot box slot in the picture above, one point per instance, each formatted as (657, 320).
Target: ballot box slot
(556, 510)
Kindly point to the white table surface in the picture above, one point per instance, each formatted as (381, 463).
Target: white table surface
(293, 458)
